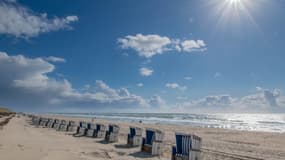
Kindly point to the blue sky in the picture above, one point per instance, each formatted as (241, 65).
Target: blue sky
(164, 56)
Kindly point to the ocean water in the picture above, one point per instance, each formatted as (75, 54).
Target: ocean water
(249, 122)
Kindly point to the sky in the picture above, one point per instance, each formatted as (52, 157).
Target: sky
(195, 56)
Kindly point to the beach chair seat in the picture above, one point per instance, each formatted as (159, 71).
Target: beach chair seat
(152, 143)
(112, 135)
(188, 147)
(100, 131)
(135, 136)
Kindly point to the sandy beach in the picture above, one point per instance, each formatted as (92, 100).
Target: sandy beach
(20, 140)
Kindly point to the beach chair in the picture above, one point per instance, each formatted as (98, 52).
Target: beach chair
(36, 120)
(71, 126)
(188, 147)
(91, 128)
(56, 124)
(63, 126)
(152, 143)
(135, 136)
(42, 121)
(100, 131)
(81, 129)
(50, 123)
(112, 135)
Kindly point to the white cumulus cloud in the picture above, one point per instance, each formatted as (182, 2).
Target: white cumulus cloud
(54, 59)
(175, 86)
(145, 45)
(20, 21)
(146, 71)
(188, 78)
(192, 45)
(140, 84)
(153, 44)
(25, 83)
(262, 101)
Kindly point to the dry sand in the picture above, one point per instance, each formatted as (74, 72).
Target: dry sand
(21, 141)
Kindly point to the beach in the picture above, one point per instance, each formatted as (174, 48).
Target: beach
(20, 140)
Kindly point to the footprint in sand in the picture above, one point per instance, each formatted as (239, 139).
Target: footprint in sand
(21, 146)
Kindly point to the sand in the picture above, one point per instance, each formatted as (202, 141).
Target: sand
(21, 141)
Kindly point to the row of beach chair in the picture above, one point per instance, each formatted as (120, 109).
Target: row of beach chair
(188, 146)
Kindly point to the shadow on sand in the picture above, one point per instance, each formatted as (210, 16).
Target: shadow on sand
(141, 155)
(124, 146)
(104, 142)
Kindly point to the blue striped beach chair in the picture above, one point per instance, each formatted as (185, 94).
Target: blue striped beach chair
(81, 129)
(135, 136)
(63, 125)
(100, 131)
(44, 122)
(152, 143)
(56, 123)
(91, 128)
(71, 127)
(50, 123)
(188, 147)
(112, 135)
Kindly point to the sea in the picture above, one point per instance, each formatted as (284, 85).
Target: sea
(248, 122)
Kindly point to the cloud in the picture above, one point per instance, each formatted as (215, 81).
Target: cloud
(192, 45)
(20, 21)
(153, 44)
(146, 45)
(262, 101)
(140, 84)
(54, 59)
(175, 86)
(25, 84)
(217, 75)
(188, 78)
(146, 71)
(156, 101)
